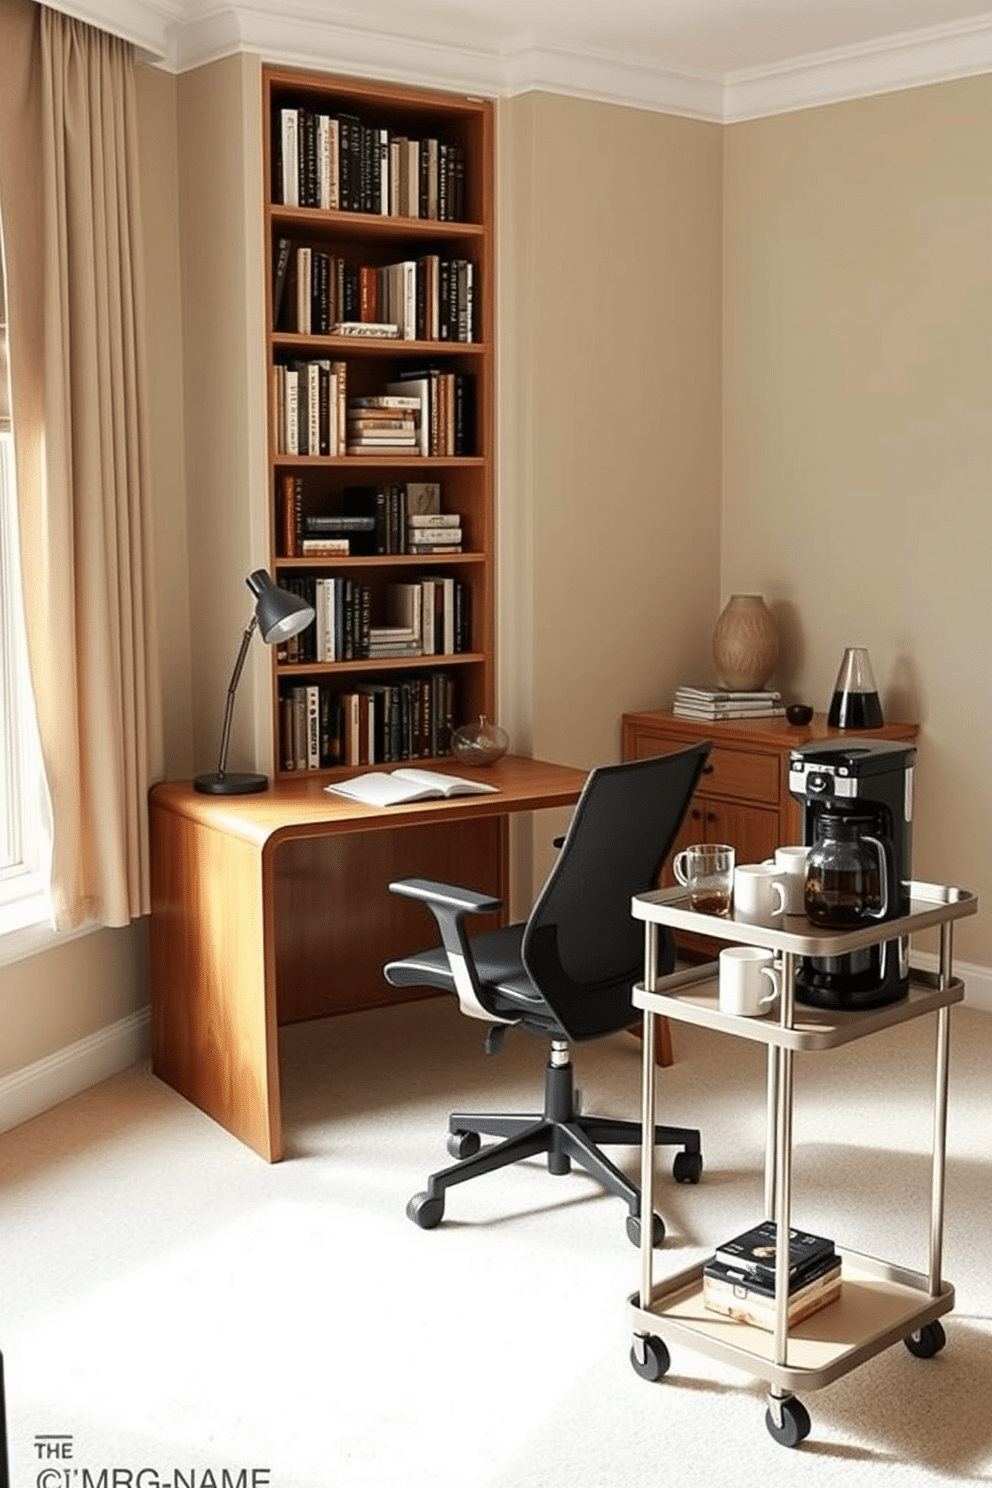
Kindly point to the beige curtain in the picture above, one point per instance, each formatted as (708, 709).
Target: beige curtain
(72, 225)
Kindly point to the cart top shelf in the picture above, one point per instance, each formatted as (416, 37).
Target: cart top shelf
(930, 904)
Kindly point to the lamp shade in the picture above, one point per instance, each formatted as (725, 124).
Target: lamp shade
(279, 613)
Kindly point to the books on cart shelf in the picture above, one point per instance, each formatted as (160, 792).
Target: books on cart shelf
(739, 1281)
(726, 702)
(748, 1299)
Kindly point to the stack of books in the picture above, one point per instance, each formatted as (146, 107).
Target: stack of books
(739, 1282)
(724, 702)
(384, 424)
(433, 532)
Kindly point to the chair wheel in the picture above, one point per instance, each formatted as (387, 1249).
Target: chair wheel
(929, 1340)
(463, 1144)
(634, 1229)
(425, 1211)
(795, 1425)
(656, 1361)
(687, 1167)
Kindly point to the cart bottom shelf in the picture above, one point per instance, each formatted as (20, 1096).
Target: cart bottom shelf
(879, 1305)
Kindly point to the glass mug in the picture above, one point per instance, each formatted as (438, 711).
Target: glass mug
(706, 869)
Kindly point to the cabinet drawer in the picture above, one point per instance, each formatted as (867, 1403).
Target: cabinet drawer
(742, 775)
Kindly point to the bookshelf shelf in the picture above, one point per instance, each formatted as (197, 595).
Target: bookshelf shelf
(294, 344)
(370, 144)
(356, 225)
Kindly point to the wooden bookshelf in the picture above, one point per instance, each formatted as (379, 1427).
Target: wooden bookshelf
(360, 242)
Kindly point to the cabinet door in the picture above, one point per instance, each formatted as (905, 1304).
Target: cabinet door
(752, 831)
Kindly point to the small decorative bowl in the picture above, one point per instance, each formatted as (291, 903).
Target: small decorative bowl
(799, 713)
(480, 743)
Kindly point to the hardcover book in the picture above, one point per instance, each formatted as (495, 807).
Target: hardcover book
(755, 1251)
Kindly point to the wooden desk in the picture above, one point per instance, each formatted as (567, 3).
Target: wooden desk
(273, 908)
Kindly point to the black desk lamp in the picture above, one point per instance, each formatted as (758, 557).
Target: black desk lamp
(278, 615)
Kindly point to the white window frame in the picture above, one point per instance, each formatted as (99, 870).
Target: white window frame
(25, 815)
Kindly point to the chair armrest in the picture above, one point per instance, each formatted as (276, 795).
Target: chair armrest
(445, 896)
(449, 904)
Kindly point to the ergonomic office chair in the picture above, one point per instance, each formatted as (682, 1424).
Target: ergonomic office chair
(565, 975)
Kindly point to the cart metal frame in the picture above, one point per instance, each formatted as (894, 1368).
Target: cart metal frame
(880, 1303)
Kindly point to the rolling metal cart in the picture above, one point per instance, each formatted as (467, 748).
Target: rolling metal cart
(880, 1304)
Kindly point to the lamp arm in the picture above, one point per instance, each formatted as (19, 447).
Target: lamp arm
(232, 687)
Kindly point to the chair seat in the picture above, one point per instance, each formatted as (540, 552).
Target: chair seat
(508, 990)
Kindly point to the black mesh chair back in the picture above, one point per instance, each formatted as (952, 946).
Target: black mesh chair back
(582, 947)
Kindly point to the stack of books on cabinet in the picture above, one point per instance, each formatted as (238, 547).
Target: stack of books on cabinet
(379, 234)
(725, 702)
(739, 1282)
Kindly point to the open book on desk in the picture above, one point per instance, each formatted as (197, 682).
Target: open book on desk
(392, 788)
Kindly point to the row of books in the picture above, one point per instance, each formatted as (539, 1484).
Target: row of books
(726, 702)
(424, 299)
(398, 517)
(739, 1281)
(425, 413)
(426, 616)
(373, 723)
(309, 399)
(446, 402)
(338, 162)
(356, 536)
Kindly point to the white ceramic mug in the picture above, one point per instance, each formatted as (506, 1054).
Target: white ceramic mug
(790, 862)
(759, 894)
(743, 973)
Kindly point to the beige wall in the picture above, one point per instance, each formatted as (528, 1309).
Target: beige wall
(857, 429)
(610, 418)
(221, 239)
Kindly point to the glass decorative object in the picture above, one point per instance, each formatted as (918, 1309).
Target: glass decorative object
(481, 743)
(855, 703)
(745, 643)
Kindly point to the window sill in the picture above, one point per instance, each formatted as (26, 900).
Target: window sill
(26, 927)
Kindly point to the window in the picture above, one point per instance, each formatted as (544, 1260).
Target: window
(24, 812)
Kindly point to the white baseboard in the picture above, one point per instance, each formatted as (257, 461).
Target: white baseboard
(977, 979)
(39, 1086)
(36, 1088)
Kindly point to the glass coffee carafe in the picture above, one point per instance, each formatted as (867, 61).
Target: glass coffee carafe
(847, 872)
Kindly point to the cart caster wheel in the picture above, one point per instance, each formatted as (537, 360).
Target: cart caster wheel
(929, 1340)
(425, 1211)
(463, 1144)
(634, 1229)
(795, 1425)
(656, 1361)
(687, 1167)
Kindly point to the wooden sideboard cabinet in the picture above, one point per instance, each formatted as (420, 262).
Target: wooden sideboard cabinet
(743, 797)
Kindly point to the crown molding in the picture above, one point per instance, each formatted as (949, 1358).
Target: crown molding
(179, 37)
(144, 23)
(911, 60)
(303, 39)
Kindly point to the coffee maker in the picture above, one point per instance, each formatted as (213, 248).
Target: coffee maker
(857, 797)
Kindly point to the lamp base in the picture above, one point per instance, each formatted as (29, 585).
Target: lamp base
(231, 783)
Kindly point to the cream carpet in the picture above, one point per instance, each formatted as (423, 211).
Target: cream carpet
(173, 1311)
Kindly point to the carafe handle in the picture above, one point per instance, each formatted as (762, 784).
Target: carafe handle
(885, 876)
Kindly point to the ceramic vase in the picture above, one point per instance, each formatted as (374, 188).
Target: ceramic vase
(745, 643)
